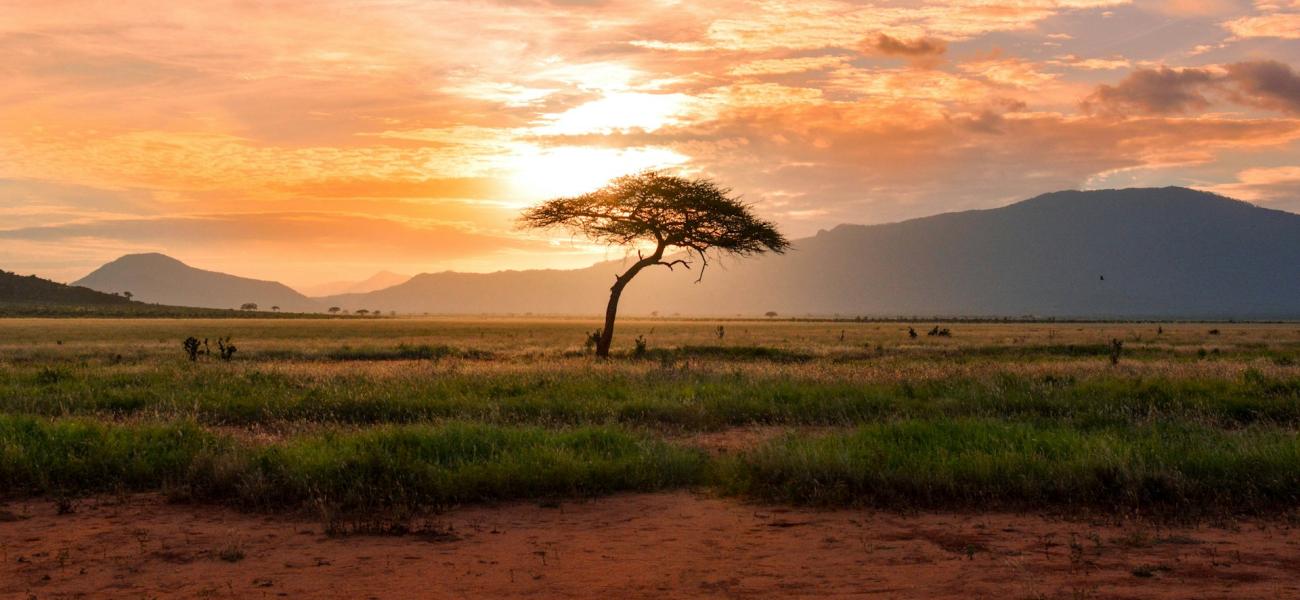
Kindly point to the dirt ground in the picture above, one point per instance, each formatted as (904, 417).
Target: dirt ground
(671, 545)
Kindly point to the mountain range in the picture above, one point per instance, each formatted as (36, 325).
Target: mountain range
(1132, 253)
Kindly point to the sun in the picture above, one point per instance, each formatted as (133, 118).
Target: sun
(541, 173)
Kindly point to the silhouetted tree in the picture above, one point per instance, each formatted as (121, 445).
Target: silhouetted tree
(128, 295)
(770, 314)
(248, 306)
(696, 216)
(363, 312)
(334, 310)
(275, 308)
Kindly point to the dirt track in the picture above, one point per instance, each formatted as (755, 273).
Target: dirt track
(632, 546)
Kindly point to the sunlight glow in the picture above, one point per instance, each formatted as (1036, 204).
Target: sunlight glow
(623, 111)
(541, 173)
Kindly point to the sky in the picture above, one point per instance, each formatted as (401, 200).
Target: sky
(322, 141)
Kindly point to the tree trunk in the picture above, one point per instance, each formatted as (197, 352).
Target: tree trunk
(611, 311)
(616, 290)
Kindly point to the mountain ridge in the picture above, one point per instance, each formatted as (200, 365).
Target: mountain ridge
(1127, 253)
(378, 281)
(33, 290)
(157, 278)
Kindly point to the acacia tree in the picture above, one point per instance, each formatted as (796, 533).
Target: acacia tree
(691, 218)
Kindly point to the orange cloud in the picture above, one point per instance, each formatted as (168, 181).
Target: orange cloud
(1279, 186)
(1280, 25)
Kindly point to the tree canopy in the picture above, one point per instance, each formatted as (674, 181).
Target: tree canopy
(696, 215)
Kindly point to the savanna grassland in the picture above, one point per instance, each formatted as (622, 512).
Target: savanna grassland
(393, 415)
(498, 458)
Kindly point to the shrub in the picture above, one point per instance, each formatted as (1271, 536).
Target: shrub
(593, 339)
(225, 348)
(191, 345)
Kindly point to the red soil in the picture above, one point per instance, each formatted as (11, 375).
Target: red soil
(631, 546)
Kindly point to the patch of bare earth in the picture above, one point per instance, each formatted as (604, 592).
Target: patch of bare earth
(631, 546)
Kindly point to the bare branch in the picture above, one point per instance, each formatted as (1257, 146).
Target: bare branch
(672, 263)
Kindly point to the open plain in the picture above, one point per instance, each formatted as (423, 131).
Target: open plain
(439, 457)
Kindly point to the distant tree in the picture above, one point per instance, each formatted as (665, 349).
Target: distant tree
(334, 310)
(275, 308)
(770, 314)
(695, 216)
(363, 312)
(248, 306)
(128, 295)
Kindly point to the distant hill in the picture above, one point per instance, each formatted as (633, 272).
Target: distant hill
(161, 279)
(378, 281)
(32, 290)
(31, 296)
(1134, 253)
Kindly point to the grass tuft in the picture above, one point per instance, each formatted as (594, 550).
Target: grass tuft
(1169, 469)
(378, 468)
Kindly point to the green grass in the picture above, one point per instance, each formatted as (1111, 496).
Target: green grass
(1180, 470)
(657, 398)
(383, 415)
(457, 463)
(39, 456)
(1152, 469)
(378, 468)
